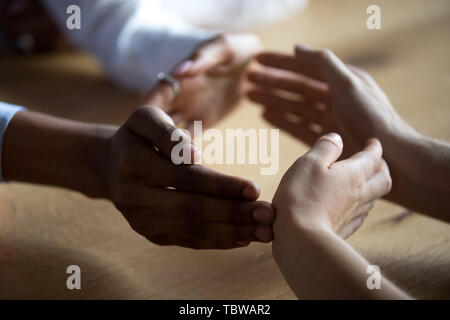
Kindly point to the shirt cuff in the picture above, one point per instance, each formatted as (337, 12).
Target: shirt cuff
(139, 62)
(7, 112)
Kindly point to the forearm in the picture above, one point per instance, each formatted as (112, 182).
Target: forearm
(420, 170)
(320, 265)
(47, 150)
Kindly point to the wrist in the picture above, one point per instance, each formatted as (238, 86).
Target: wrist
(293, 227)
(46, 150)
(299, 242)
(395, 136)
(307, 220)
(98, 159)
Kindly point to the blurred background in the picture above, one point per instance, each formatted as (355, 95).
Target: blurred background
(43, 229)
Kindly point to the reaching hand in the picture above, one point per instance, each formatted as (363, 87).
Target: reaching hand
(328, 96)
(212, 80)
(185, 205)
(318, 192)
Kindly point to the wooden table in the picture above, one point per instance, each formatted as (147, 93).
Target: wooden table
(43, 229)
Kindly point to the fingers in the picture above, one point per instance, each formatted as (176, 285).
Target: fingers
(304, 64)
(157, 128)
(198, 216)
(195, 207)
(199, 179)
(379, 184)
(298, 130)
(211, 55)
(367, 161)
(322, 65)
(328, 67)
(327, 149)
(190, 178)
(304, 110)
(310, 89)
(214, 231)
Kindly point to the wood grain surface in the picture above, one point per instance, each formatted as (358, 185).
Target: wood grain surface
(44, 229)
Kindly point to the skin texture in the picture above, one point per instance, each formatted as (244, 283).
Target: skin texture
(313, 92)
(185, 205)
(212, 80)
(318, 201)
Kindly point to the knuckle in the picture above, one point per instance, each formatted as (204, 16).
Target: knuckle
(141, 112)
(312, 161)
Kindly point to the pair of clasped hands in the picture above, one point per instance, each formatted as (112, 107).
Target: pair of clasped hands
(330, 188)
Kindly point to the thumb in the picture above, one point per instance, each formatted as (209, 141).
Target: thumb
(327, 149)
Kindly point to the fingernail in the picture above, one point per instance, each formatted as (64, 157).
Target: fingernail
(263, 233)
(182, 68)
(263, 215)
(251, 192)
(335, 137)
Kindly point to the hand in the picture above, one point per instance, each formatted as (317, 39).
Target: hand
(320, 193)
(212, 80)
(328, 96)
(185, 205)
(318, 200)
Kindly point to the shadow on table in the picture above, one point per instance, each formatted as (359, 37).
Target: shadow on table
(38, 271)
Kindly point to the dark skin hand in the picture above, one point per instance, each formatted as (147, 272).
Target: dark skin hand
(185, 205)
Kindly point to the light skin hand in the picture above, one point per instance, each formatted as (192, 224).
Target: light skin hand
(331, 194)
(212, 79)
(326, 95)
(330, 94)
(320, 201)
(184, 205)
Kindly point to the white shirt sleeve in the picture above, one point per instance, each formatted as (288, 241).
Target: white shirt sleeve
(234, 15)
(133, 39)
(7, 112)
